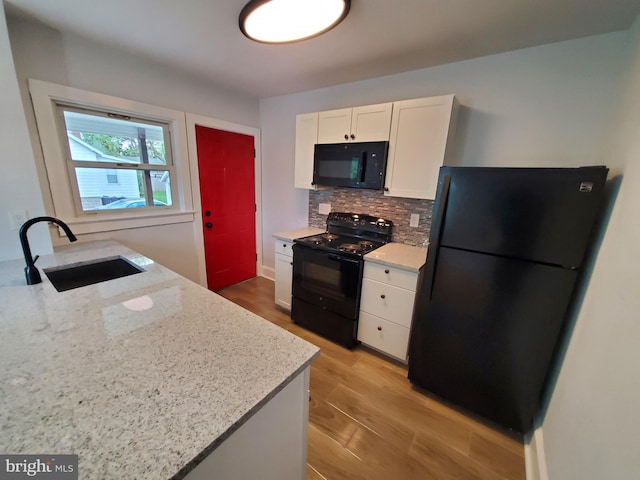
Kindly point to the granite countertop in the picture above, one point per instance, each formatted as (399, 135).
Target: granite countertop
(141, 377)
(291, 235)
(406, 257)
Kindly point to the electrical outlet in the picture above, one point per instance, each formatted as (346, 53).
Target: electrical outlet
(17, 218)
(415, 220)
(324, 208)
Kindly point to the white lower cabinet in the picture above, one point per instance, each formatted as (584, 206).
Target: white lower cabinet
(386, 308)
(284, 273)
(271, 445)
(383, 335)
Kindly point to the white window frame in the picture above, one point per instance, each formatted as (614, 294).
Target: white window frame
(45, 97)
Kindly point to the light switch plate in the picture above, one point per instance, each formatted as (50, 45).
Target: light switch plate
(415, 220)
(324, 208)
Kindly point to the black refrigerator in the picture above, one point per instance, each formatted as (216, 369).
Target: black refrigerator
(506, 248)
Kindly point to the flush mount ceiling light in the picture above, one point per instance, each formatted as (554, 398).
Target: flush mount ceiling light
(285, 21)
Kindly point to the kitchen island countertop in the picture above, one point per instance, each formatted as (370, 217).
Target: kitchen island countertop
(141, 377)
(399, 255)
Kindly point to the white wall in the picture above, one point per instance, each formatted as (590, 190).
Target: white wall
(18, 191)
(542, 106)
(591, 427)
(46, 54)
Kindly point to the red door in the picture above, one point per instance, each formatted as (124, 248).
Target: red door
(227, 192)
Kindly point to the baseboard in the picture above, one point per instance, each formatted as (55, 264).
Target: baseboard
(534, 457)
(268, 272)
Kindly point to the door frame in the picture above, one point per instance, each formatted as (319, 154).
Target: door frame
(192, 121)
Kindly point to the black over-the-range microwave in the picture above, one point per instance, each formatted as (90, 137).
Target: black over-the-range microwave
(353, 165)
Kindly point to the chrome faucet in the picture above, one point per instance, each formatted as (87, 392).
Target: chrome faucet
(30, 271)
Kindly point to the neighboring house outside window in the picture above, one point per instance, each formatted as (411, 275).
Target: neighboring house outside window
(112, 176)
(110, 167)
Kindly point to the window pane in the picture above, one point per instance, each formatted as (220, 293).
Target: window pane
(161, 187)
(95, 138)
(98, 192)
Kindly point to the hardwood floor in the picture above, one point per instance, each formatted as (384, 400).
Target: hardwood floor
(366, 421)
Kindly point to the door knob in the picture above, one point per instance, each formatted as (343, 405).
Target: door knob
(208, 224)
(383, 296)
(353, 137)
(346, 137)
(379, 329)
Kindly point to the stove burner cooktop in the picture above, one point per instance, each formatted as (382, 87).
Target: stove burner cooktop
(340, 243)
(353, 234)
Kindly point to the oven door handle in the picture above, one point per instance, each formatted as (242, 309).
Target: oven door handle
(338, 258)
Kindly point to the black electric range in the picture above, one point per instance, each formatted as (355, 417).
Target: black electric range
(327, 274)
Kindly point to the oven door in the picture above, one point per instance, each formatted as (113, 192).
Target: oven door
(327, 280)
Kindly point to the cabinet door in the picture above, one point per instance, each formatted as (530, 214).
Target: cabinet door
(334, 126)
(383, 335)
(420, 132)
(371, 123)
(284, 275)
(386, 301)
(393, 276)
(306, 137)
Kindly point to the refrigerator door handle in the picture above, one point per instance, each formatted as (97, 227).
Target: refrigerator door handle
(436, 232)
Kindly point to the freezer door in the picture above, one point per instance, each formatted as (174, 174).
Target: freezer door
(486, 338)
(543, 215)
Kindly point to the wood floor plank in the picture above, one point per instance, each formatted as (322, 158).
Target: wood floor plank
(359, 407)
(366, 420)
(385, 459)
(497, 456)
(331, 421)
(313, 474)
(332, 460)
(447, 463)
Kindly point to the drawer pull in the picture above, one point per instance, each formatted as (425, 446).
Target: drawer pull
(383, 296)
(284, 245)
(386, 271)
(379, 328)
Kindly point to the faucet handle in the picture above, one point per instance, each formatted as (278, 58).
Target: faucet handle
(35, 259)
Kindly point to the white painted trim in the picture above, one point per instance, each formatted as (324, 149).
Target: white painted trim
(534, 457)
(44, 95)
(268, 272)
(191, 121)
(114, 223)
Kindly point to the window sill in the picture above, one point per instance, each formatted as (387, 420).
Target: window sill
(108, 223)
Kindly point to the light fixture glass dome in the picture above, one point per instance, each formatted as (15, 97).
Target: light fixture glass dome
(284, 21)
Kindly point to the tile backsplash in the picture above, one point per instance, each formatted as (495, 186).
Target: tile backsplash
(373, 202)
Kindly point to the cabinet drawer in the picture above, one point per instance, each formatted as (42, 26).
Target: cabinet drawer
(284, 247)
(383, 335)
(386, 301)
(393, 276)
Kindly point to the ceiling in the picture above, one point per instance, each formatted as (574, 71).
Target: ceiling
(379, 37)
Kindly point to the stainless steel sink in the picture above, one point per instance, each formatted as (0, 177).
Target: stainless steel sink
(75, 275)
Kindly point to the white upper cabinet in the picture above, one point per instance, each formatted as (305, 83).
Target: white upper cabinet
(370, 123)
(421, 132)
(306, 138)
